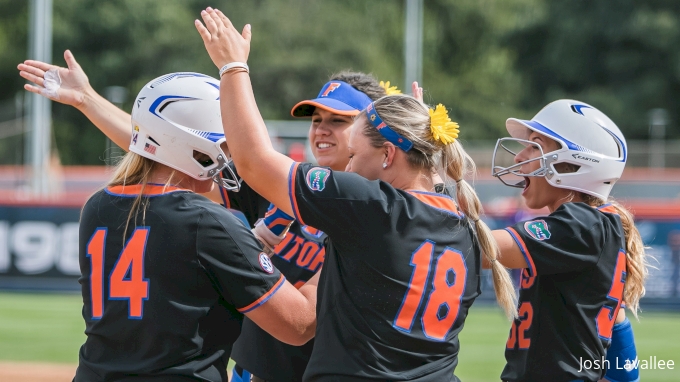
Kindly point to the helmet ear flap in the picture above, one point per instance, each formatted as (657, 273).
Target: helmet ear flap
(566, 168)
(203, 159)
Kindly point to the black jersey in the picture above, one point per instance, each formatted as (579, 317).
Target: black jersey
(299, 256)
(569, 296)
(250, 203)
(165, 302)
(401, 271)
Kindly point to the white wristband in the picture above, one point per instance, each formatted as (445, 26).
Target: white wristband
(233, 65)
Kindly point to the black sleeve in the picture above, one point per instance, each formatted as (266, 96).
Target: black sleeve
(343, 205)
(570, 239)
(234, 260)
(250, 203)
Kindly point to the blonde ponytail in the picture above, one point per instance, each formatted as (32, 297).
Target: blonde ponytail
(636, 264)
(413, 120)
(457, 163)
(636, 258)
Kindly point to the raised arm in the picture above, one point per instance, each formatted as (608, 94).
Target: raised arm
(262, 167)
(71, 86)
(511, 255)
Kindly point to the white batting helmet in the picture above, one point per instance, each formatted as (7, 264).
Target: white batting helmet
(176, 121)
(589, 141)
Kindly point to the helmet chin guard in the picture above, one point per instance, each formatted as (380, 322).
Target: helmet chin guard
(176, 121)
(589, 141)
(230, 183)
(506, 174)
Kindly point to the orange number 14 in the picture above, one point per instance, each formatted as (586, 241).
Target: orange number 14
(134, 288)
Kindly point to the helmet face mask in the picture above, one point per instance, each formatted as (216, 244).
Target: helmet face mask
(176, 121)
(591, 146)
(511, 175)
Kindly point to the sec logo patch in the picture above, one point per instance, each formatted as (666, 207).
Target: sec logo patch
(538, 229)
(316, 178)
(266, 263)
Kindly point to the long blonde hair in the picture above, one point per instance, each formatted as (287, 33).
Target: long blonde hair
(133, 169)
(636, 258)
(410, 118)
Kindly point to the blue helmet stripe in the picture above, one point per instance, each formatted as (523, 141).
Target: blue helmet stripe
(539, 127)
(173, 75)
(159, 100)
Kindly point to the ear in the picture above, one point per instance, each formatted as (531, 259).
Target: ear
(390, 151)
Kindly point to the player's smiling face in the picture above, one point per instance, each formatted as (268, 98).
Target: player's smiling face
(538, 193)
(364, 159)
(328, 136)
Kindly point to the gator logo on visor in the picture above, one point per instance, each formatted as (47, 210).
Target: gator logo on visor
(316, 178)
(538, 229)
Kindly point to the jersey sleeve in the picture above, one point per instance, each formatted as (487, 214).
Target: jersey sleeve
(234, 261)
(568, 240)
(343, 205)
(247, 201)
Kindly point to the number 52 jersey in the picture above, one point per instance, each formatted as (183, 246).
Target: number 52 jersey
(569, 296)
(166, 301)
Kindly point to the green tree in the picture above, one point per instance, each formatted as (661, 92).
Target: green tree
(486, 60)
(621, 57)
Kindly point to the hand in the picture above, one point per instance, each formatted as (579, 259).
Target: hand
(223, 43)
(71, 84)
(417, 91)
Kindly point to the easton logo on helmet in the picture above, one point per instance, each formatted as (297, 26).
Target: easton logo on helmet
(578, 156)
(538, 229)
(316, 178)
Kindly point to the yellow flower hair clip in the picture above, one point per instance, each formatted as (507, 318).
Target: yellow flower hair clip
(389, 90)
(443, 129)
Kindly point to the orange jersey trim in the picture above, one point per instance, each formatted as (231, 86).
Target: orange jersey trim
(524, 249)
(437, 201)
(225, 197)
(608, 208)
(149, 190)
(264, 297)
(278, 221)
(291, 192)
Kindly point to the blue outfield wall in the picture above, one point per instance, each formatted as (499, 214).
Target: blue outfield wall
(39, 251)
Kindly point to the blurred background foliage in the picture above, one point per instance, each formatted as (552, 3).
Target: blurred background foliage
(486, 60)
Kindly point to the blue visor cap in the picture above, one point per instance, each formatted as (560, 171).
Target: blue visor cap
(338, 97)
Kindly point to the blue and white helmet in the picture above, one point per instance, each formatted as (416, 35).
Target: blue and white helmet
(589, 141)
(176, 121)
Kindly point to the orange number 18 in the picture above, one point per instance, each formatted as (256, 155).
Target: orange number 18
(443, 303)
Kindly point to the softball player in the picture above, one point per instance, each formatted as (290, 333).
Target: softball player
(300, 252)
(167, 275)
(581, 261)
(402, 263)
